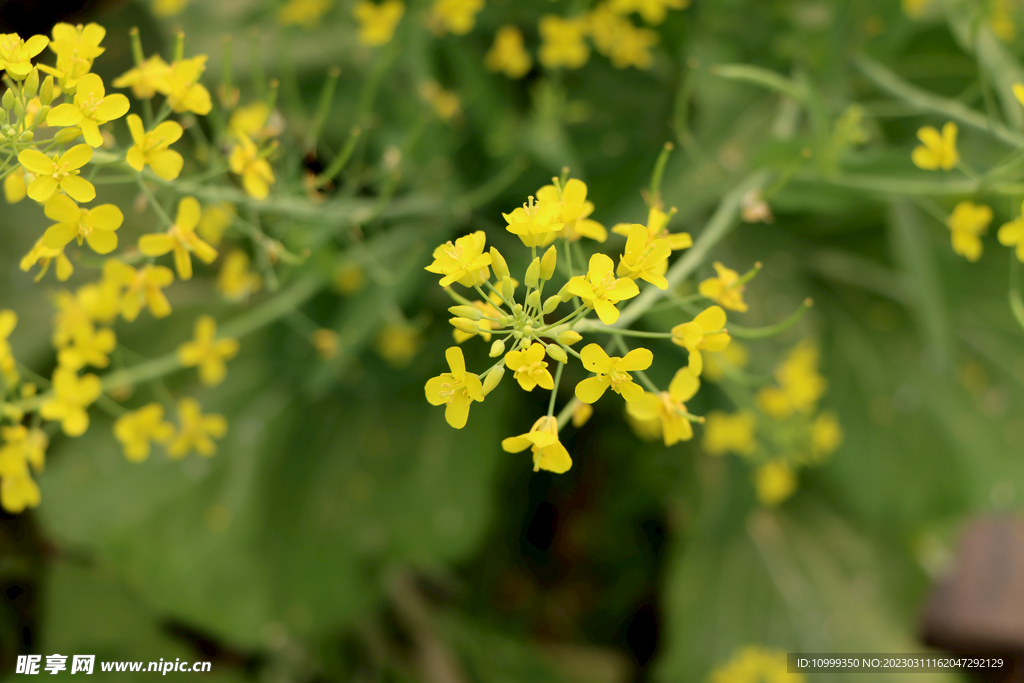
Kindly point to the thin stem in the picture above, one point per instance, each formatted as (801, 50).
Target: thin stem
(153, 202)
(771, 330)
(1016, 303)
(554, 391)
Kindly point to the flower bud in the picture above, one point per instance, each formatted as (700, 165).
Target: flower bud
(497, 348)
(465, 324)
(581, 414)
(31, 84)
(66, 135)
(19, 109)
(471, 312)
(532, 278)
(26, 136)
(8, 99)
(547, 264)
(534, 300)
(564, 294)
(569, 337)
(498, 264)
(504, 321)
(508, 290)
(551, 303)
(517, 310)
(492, 379)
(41, 115)
(46, 92)
(557, 353)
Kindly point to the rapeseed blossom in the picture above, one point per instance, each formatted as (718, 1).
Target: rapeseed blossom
(705, 332)
(16, 54)
(91, 109)
(726, 289)
(151, 149)
(208, 352)
(668, 408)
(59, 173)
(303, 12)
(529, 367)
(612, 373)
(72, 395)
(563, 42)
(377, 22)
(508, 55)
(196, 431)
(455, 16)
(96, 226)
(542, 440)
(936, 150)
(464, 261)
(966, 223)
(456, 390)
(1012, 234)
(138, 429)
(600, 289)
(181, 239)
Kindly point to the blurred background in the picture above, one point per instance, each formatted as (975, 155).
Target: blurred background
(343, 532)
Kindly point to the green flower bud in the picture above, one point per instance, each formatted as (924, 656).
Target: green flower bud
(31, 84)
(528, 332)
(8, 99)
(498, 264)
(66, 135)
(517, 310)
(534, 300)
(547, 264)
(492, 379)
(569, 337)
(41, 115)
(471, 312)
(551, 303)
(504, 321)
(465, 324)
(497, 348)
(46, 92)
(26, 136)
(532, 278)
(557, 353)
(508, 290)
(564, 294)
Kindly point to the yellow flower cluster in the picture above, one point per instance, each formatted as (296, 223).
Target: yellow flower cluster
(785, 432)
(531, 338)
(754, 664)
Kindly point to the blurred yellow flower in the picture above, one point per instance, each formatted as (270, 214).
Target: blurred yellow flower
(326, 343)
(542, 440)
(826, 435)
(43, 255)
(652, 11)
(137, 429)
(563, 42)
(455, 16)
(214, 220)
(248, 162)
(507, 55)
(445, 103)
(775, 481)
(657, 228)
(726, 290)
(754, 664)
(145, 78)
(600, 289)
(15, 188)
(724, 433)
(582, 413)
(71, 396)
(169, 8)
(235, 280)
(76, 46)
(88, 346)
(612, 372)
(735, 354)
(377, 22)
(143, 287)
(21, 447)
(398, 343)
(615, 37)
(207, 352)
(575, 210)
(936, 151)
(181, 239)
(180, 84)
(1012, 234)
(196, 431)
(914, 9)
(456, 390)
(303, 12)
(152, 148)
(966, 223)
(1001, 20)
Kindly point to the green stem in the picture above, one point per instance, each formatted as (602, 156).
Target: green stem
(554, 391)
(1016, 303)
(771, 330)
(153, 202)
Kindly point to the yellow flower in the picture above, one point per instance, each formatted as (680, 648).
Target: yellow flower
(652, 11)
(181, 239)
(236, 281)
(246, 161)
(724, 433)
(562, 42)
(529, 367)
(668, 408)
(43, 255)
(91, 109)
(96, 226)
(144, 79)
(643, 259)
(967, 221)
(16, 54)
(377, 22)
(398, 343)
(624, 44)
(326, 343)
(1012, 233)
(826, 435)
(735, 354)
(18, 492)
(215, 219)
(76, 47)
(152, 148)
(612, 372)
(1001, 21)
(574, 214)
(195, 430)
(89, 346)
(8, 321)
(600, 290)
(14, 186)
(60, 172)
(725, 290)
(303, 12)
(464, 262)
(657, 229)
(507, 54)
(445, 103)
(914, 8)
(542, 440)
(775, 481)
(799, 378)
(753, 664)
(455, 16)
(705, 332)
(207, 352)
(582, 413)
(135, 431)
(72, 395)
(169, 8)
(143, 287)
(456, 389)
(534, 222)
(180, 84)
(21, 447)
(937, 151)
